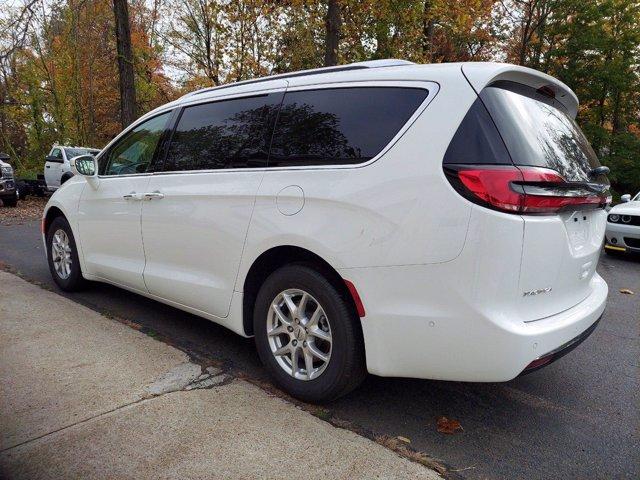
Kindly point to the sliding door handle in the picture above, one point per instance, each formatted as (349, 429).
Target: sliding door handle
(152, 195)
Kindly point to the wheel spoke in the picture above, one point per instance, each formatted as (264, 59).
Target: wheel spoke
(317, 353)
(282, 350)
(315, 317)
(295, 355)
(302, 305)
(281, 316)
(290, 304)
(280, 330)
(321, 334)
(308, 363)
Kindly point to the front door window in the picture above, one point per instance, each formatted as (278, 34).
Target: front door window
(134, 152)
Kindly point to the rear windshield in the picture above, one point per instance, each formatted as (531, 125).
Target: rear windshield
(539, 132)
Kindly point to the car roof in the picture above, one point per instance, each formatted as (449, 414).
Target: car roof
(479, 75)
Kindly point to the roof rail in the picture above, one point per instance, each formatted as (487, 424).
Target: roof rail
(388, 62)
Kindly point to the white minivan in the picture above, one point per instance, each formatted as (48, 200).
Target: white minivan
(431, 221)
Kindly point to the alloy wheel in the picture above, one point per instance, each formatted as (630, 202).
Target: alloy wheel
(299, 334)
(61, 254)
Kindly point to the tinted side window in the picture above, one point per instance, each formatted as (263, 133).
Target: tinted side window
(477, 140)
(133, 152)
(57, 153)
(340, 125)
(224, 134)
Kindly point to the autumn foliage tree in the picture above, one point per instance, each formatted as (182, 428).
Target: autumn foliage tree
(59, 80)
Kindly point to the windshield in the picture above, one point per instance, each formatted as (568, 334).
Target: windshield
(75, 152)
(539, 132)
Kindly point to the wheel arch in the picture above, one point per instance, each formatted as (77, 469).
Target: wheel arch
(50, 215)
(65, 176)
(276, 257)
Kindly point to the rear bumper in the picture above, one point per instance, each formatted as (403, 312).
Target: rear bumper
(420, 328)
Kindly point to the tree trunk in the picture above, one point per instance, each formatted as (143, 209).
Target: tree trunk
(427, 32)
(125, 63)
(332, 36)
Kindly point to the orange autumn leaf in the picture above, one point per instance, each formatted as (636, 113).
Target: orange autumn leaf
(449, 426)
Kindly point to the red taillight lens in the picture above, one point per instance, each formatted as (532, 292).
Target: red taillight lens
(493, 186)
(522, 190)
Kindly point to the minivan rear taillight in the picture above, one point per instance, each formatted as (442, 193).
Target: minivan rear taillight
(523, 190)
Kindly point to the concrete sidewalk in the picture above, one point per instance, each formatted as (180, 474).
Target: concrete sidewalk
(83, 396)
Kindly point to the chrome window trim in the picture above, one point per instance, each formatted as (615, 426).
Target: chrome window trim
(190, 102)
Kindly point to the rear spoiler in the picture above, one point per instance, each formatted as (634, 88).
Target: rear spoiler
(481, 74)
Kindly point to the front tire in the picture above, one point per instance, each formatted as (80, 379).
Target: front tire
(62, 255)
(308, 336)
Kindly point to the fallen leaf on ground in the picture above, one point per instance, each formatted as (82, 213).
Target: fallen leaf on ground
(403, 439)
(449, 426)
(626, 290)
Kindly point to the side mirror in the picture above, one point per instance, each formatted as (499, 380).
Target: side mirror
(625, 198)
(85, 165)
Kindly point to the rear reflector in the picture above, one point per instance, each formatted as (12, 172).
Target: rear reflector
(523, 190)
(356, 298)
(539, 362)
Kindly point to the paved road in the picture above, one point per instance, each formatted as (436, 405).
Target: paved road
(578, 418)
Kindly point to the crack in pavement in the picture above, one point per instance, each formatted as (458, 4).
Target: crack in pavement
(182, 378)
(187, 376)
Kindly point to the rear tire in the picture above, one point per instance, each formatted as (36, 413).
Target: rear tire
(63, 256)
(335, 333)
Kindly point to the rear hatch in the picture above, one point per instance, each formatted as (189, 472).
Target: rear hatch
(549, 174)
(560, 251)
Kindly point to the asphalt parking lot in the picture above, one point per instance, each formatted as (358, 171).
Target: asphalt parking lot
(578, 418)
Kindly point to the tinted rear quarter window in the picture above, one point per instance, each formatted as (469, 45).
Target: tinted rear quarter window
(477, 140)
(224, 134)
(340, 125)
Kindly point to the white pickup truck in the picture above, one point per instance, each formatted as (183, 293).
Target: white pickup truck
(57, 168)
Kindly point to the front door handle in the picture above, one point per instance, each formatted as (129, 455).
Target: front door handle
(132, 196)
(152, 195)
